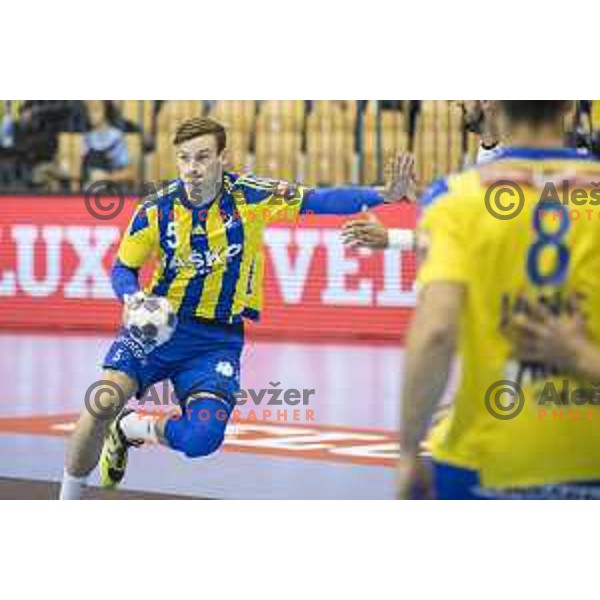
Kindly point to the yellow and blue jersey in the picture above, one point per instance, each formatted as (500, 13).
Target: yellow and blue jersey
(210, 261)
(210, 265)
(544, 253)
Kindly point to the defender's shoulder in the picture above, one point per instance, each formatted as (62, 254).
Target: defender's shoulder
(438, 188)
(454, 192)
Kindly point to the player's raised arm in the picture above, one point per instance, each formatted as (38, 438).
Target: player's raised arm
(351, 200)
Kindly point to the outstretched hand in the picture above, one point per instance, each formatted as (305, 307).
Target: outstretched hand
(365, 231)
(401, 180)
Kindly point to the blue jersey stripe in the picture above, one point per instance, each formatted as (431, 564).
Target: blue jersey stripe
(165, 212)
(235, 236)
(195, 287)
(140, 221)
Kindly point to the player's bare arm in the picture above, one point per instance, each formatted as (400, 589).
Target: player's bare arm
(353, 200)
(431, 346)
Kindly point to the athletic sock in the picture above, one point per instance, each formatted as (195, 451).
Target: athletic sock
(72, 488)
(138, 427)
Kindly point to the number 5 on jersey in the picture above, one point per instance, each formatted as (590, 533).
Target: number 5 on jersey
(172, 237)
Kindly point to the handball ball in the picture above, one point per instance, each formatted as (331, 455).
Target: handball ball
(152, 321)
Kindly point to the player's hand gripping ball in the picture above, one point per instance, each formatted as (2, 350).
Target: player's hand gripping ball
(150, 319)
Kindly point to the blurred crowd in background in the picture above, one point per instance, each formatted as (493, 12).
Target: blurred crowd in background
(60, 146)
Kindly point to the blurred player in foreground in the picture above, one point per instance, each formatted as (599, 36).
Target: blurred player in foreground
(207, 229)
(480, 117)
(494, 254)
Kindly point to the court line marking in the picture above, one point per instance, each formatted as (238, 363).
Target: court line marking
(340, 444)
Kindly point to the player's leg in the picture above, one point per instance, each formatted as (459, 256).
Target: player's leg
(200, 431)
(128, 369)
(205, 385)
(147, 367)
(85, 443)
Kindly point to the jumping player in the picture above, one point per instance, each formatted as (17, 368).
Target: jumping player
(207, 229)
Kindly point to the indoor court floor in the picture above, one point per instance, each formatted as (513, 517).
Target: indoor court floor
(343, 445)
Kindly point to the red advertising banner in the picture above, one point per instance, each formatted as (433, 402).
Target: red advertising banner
(55, 261)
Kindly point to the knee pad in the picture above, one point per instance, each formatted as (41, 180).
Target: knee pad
(201, 429)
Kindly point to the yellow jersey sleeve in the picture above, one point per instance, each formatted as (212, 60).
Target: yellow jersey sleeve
(270, 201)
(286, 201)
(443, 244)
(141, 238)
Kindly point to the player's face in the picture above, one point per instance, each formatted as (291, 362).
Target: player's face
(200, 167)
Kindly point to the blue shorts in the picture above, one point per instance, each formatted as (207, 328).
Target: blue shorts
(454, 483)
(200, 357)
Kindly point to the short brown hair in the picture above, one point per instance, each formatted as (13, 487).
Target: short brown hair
(198, 126)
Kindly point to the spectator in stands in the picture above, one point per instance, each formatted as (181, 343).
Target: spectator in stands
(8, 165)
(35, 139)
(157, 106)
(105, 153)
(411, 109)
(117, 119)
